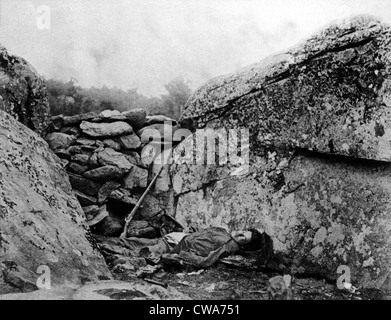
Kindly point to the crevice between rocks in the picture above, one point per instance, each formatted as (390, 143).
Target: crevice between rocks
(337, 49)
(350, 160)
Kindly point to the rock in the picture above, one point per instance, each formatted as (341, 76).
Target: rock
(191, 174)
(58, 140)
(121, 290)
(110, 143)
(159, 119)
(158, 152)
(386, 287)
(149, 153)
(106, 129)
(222, 285)
(123, 196)
(327, 208)
(130, 141)
(73, 131)
(141, 229)
(110, 227)
(280, 288)
(93, 162)
(23, 92)
(110, 157)
(305, 97)
(63, 154)
(100, 149)
(105, 173)
(96, 216)
(210, 288)
(77, 119)
(84, 185)
(133, 157)
(103, 290)
(163, 182)
(55, 123)
(88, 149)
(77, 168)
(74, 150)
(41, 224)
(84, 199)
(107, 189)
(157, 133)
(150, 208)
(99, 144)
(91, 211)
(137, 177)
(128, 265)
(64, 163)
(110, 114)
(82, 159)
(58, 293)
(135, 117)
(16, 276)
(85, 142)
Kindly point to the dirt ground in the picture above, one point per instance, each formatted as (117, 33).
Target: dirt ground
(226, 283)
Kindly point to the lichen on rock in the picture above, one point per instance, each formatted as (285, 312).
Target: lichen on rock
(319, 123)
(23, 92)
(42, 223)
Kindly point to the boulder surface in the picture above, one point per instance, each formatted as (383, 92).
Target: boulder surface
(330, 94)
(41, 221)
(23, 92)
(317, 176)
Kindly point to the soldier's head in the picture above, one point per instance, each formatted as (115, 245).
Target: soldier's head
(249, 240)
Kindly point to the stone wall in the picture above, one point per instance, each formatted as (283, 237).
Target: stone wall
(109, 159)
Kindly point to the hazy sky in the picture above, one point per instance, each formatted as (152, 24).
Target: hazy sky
(146, 43)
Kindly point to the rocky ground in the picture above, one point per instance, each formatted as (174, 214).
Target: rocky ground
(225, 283)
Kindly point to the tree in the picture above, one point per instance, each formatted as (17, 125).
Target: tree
(178, 93)
(68, 98)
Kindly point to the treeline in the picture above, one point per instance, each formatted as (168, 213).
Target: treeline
(68, 98)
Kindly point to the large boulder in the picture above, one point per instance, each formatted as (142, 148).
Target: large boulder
(330, 94)
(326, 212)
(23, 92)
(41, 221)
(314, 171)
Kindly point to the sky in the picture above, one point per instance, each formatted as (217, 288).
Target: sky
(144, 44)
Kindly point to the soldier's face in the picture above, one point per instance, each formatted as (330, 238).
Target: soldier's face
(242, 237)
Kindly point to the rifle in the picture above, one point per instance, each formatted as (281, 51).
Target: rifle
(129, 218)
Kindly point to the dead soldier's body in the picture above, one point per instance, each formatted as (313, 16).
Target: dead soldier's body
(200, 249)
